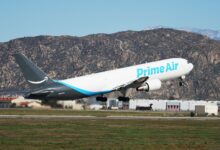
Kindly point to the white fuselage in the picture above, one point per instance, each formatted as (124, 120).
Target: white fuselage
(105, 82)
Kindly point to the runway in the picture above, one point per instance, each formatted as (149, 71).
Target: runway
(76, 117)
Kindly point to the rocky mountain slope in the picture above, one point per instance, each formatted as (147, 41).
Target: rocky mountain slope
(66, 56)
(213, 34)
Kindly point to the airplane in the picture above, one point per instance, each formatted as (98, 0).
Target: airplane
(144, 77)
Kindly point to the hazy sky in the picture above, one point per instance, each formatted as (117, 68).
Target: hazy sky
(19, 18)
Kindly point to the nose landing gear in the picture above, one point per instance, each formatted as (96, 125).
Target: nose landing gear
(182, 81)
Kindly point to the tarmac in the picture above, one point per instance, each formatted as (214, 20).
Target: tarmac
(104, 118)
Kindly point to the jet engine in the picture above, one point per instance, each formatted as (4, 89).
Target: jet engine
(150, 85)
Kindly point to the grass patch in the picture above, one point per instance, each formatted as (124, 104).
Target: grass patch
(109, 134)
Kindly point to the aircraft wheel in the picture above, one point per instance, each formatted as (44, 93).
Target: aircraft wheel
(123, 99)
(101, 99)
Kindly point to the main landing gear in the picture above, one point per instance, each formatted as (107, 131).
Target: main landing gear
(101, 99)
(123, 99)
(120, 98)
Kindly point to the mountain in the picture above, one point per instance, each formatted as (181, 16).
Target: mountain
(66, 56)
(213, 34)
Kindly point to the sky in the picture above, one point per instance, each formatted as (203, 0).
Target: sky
(23, 18)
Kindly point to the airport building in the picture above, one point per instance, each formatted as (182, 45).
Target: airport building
(6, 102)
(198, 106)
(71, 105)
(210, 107)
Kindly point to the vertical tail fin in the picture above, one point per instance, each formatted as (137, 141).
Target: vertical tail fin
(34, 76)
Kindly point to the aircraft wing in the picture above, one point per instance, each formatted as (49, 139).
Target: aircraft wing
(133, 84)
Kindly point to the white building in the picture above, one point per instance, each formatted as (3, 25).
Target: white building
(70, 105)
(173, 105)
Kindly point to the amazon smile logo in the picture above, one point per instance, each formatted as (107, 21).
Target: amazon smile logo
(38, 82)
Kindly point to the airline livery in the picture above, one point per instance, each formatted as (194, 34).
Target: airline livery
(143, 77)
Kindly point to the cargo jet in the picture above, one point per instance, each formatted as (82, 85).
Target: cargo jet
(144, 77)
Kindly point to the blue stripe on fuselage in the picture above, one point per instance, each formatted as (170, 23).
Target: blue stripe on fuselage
(82, 91)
